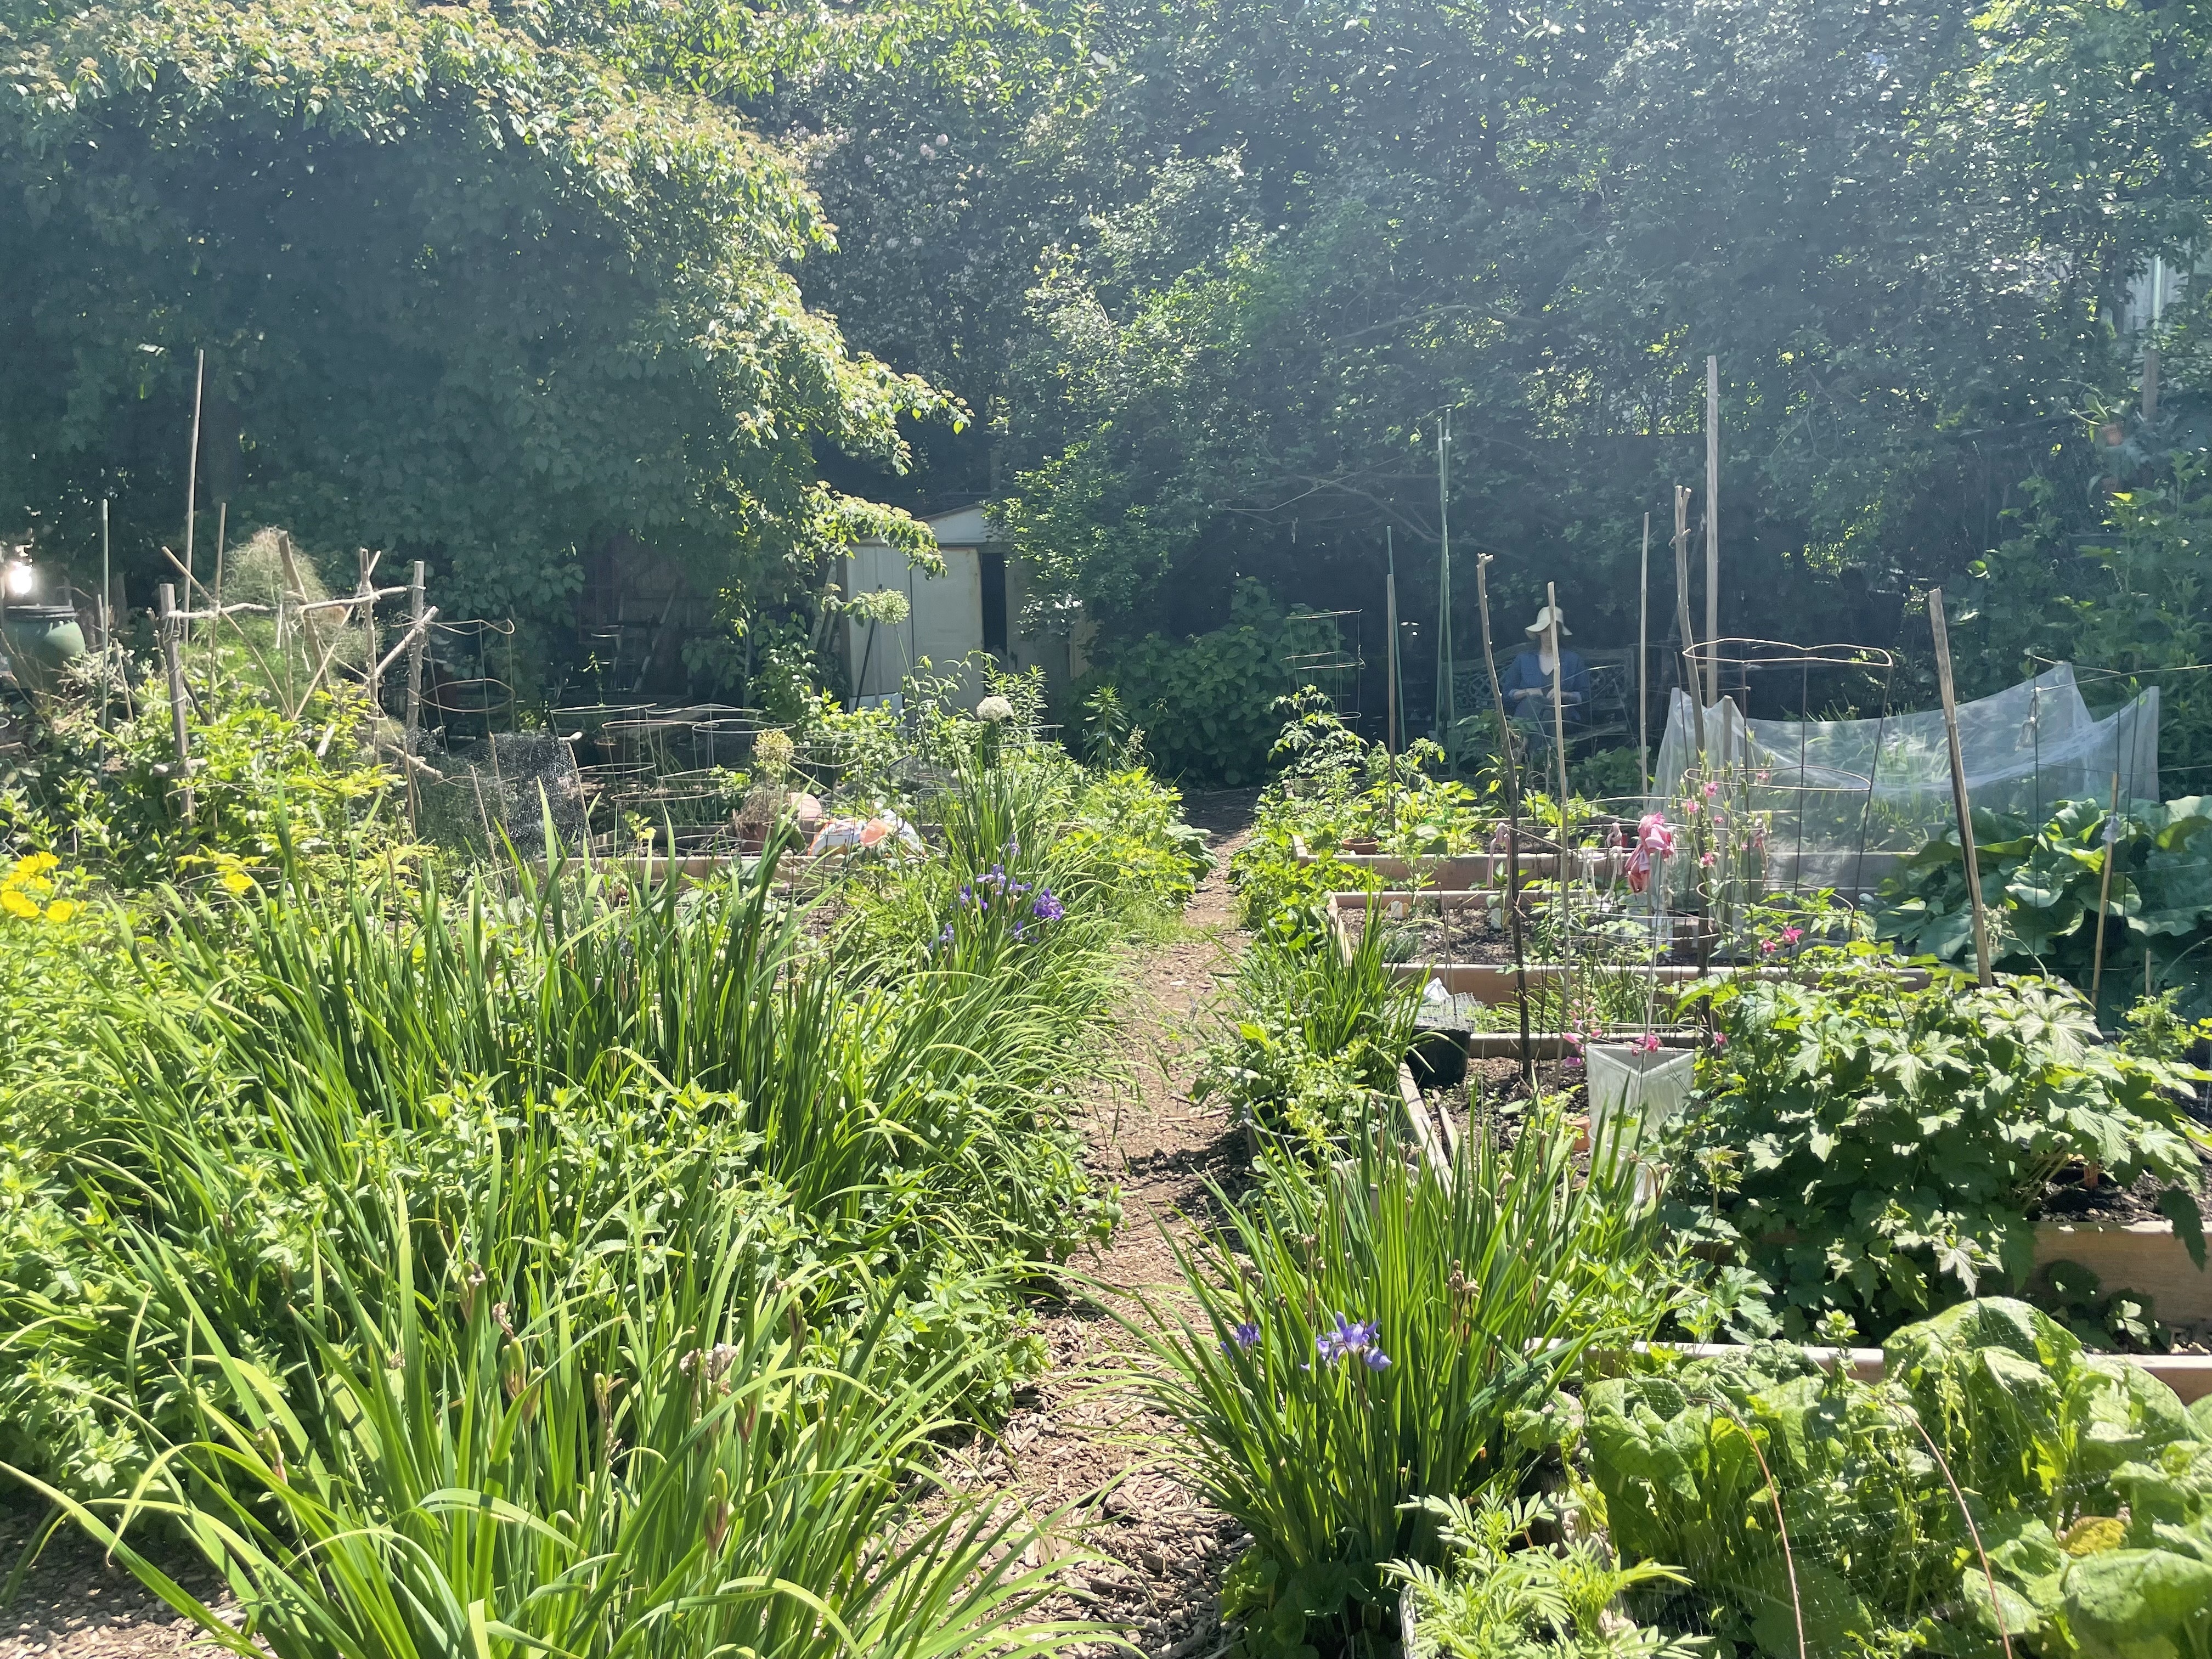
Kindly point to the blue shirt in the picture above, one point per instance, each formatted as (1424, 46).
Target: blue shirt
(1527, 675)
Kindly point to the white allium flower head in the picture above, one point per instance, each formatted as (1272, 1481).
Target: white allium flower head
(995, 709)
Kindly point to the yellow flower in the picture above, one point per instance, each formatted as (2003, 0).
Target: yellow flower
(236, 879)
(61, 909)
(36, 864)
(16, 905)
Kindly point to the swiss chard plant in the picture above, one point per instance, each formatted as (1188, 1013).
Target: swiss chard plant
(2043, 883)
(2000, 1490)
(1892, 1143)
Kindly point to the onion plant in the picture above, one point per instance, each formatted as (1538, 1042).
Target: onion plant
(1366, 1336)
(689, 1470)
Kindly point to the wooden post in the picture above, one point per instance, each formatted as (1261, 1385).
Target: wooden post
(1447, 713)
(193, 468)
(1559, 746)
(417, 634)
(106, 626)
(1642, 663)
(375, 679)
(1689, 662)
(174, 659)
(2105, 893)
(1958, 800)
(1712, 529)
(221, 528)
(1512, 826)
(1391, 741)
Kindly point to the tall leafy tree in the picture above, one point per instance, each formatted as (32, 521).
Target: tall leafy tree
(485, 285)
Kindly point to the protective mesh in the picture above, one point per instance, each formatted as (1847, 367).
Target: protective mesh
(1848, 798)
(500, 790)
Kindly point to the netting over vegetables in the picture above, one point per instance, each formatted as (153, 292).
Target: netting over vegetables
(1842, 798)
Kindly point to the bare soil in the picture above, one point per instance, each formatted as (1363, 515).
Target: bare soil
(1084, 1447)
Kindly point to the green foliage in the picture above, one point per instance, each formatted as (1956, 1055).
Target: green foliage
(1367, 1335)
(581, 1454)
(1894, 1141)
(2086, 1487)
(477, 285)
(1205, 701)
(267, 788)
(314, 1076)
(1504, 1597)
(2043, 885)
(1312, 1040)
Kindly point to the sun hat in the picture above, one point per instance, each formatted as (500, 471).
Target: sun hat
(1545, 618)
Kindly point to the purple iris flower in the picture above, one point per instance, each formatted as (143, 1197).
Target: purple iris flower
(1047, 907)
(1246, 1335)
(1352, 1337)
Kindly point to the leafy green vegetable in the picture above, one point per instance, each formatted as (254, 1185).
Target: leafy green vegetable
(1894, 1141)
(2044, 884)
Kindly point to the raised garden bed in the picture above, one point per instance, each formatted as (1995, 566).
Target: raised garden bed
(1458, 871)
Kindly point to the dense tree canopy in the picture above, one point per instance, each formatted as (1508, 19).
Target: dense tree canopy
(472, 285)
(1271, 243)
(498, 283)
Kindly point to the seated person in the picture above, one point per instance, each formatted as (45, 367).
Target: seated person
(1528, 685)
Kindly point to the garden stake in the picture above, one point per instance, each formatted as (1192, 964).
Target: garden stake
(221, 527)
(1390, 743)
(167, 594)
(193, 468)
(1447, 706)
(1959, 786)
(1712, 526)
(2105, 893)
(107, 630)
(1689, 663)
(1512, 826)
(414, 681)
(368, 635)
(1643, 662)
(1560, 744)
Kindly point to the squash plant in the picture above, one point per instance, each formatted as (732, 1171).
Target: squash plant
(1890, 1144)
(2043, 885)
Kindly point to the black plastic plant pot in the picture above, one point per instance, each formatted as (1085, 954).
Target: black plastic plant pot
(1438, 1059)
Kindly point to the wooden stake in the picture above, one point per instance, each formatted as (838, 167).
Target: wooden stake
(1559, 744)
(192, 463)
(106, 626)
(1512, 825)
(1959, 785)
(1712, 529)
(417, 632)
(174, 661)
(375, 677)
(1447, 713)
(221, 528)
(2105, 893)
(1643, 662)
(1689, 662)
(1391, 743)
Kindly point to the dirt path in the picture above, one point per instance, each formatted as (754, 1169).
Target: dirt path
(1087, 1446)
(1074, 1445)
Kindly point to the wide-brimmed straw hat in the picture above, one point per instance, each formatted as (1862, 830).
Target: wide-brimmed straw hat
(1545, 618)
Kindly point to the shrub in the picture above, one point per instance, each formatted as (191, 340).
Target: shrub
(1878, 1150)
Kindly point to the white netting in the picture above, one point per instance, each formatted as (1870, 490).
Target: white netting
(1848, 798)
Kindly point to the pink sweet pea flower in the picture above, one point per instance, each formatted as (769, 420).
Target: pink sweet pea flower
(1711, 789)
(1791, 935)
(1647, 1043)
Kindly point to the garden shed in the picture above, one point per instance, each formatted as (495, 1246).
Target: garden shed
(978, 604)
